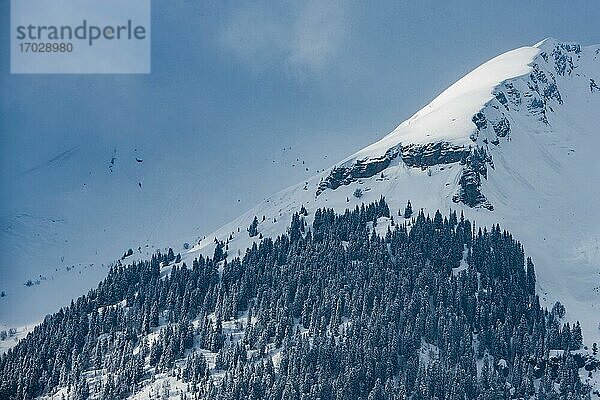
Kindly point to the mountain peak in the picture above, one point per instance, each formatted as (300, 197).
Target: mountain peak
(476, 111)
(547, 42)
(448, 116)
(504, 144)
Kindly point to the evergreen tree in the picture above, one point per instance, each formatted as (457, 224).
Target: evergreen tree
(253, 228)
(349, 314)
(408, 211)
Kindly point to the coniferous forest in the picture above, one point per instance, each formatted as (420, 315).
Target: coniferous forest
(433, 309)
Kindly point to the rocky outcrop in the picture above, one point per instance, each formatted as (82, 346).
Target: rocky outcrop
(545, 84)
(513, 94)
(501, 127)
(480, 121)
(469, 190)
(413, 155)
(363, 168)
(474, 162)
(430, 154)
(536, 107)
(501, 97)
(563, 61)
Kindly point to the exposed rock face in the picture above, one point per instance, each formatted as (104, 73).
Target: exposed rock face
(430, 154)
(545, 84)
(501, 127)
(364, 168)
(422, 156)
(413, 155)
(469, 191)
(479, 120)
(537, 107)
(563, 61)
(501, 97)
(513, 94)
(536, 94)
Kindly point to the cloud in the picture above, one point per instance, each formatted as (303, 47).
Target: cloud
(303, 37)
(318, 33)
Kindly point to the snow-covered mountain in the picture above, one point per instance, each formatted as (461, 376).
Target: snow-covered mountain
(512, 143)
(515, 142)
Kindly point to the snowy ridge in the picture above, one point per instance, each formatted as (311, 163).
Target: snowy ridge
(448, 116)
(512, 143)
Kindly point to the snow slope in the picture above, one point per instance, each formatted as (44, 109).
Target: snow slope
(448, 116)
(68, 213)
(533, 116)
